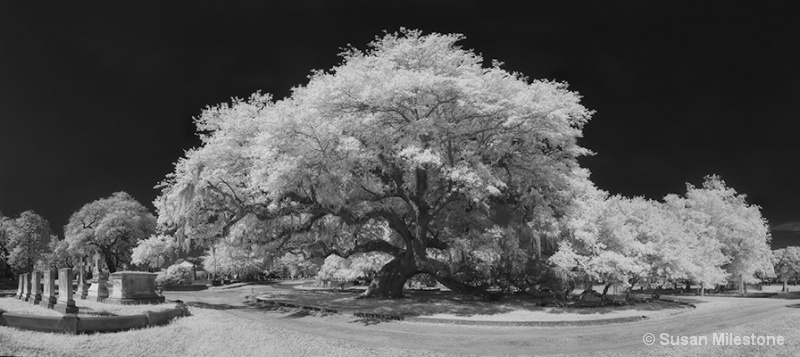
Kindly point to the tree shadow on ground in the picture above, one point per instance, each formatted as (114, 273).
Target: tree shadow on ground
(297, 314)
(426, 303)
(367, 321)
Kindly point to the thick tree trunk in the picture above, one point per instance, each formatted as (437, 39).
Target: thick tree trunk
(389, 281)
(785, 286)
(110, 263)
(605, 292)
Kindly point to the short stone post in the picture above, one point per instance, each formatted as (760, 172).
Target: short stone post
(98, 291)
(49, 296)
(83, 285)
(20, 289)
(26, 286)
(65, 304)
(36, 288)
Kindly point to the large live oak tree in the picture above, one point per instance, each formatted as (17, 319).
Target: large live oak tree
(414, 133)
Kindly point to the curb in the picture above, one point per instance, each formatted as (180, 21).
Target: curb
(394, 317)
(679, 302)
(528, 323)
(74, 324)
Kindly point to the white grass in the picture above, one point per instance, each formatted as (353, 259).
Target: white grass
(85, 307)
(206, 333)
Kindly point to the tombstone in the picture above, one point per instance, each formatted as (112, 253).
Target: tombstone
(98, 291)
(36, 288)
(83, 285)
(65, 304)
(20, 289)
(49, 295)
(26, 286)
(133, 287)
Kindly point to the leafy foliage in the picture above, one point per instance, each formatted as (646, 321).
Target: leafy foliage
(154, 251)
(26, 240)
(111, 226)
(414, 132)
(786, 262)
(708, 237)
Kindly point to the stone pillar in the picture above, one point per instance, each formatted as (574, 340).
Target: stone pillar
(49, 296)
(98, 291)
(65, 304)
(36, 288)
(26, 286)
(20, 289)
(83, 285)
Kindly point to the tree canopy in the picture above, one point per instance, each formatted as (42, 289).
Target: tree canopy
(26, 240)
(414, 132)
(110, 226)
(709, 236)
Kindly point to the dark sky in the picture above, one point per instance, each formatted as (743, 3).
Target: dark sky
(97, 98)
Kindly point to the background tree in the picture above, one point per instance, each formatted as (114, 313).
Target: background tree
(739, 227)
(786, 264)
(58, 255)
(227, 259)
(154, 251)
(5, 227)
(414, 132)
(27, 241)
(111, 226)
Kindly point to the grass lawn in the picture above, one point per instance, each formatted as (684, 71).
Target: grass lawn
(85, 308)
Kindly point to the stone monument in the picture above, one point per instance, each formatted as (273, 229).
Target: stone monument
(133, 287)
(49, 296)
(36, 288)
(65, 304)
(98, 291)
(20, 289)
(83, 285)
(26, 286)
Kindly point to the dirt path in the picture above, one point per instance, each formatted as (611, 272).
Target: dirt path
(712, 315)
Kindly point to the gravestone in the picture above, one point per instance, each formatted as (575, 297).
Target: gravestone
(20, 289)
(49, 295)
(133, 287)
(83, 285)
(26, 286)
(98, 291)
(65, 304)
(36, 288)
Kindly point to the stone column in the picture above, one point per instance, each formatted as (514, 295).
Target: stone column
(20, 289)
(65, 304)
(98, 291)
(83, 285)
(36, 288)
(49, 296)
(26, 286)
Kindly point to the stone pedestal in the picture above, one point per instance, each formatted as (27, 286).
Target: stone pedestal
(26, 286)
(133, 287)
(98, 291)
(49, 293)
(36, 288)
(83, 285)
(65, 304)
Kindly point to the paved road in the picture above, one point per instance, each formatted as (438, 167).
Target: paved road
(713, 315)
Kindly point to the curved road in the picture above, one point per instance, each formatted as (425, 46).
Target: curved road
(713, 315)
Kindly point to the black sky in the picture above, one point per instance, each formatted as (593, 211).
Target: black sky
(97, 98)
